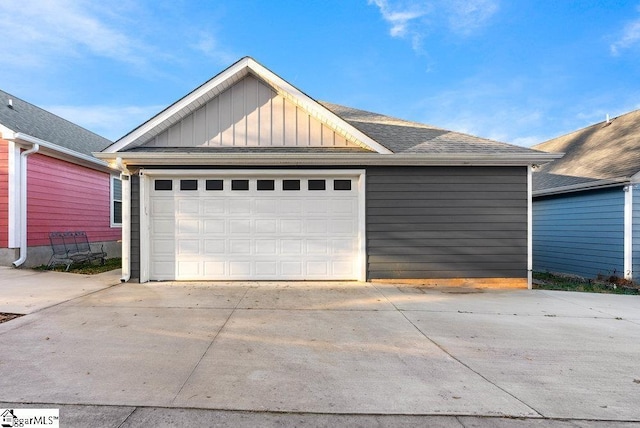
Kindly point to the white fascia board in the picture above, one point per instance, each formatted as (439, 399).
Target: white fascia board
(6, 133)
(337, 159)
(62, 152)
(591, 185)
(316, 110)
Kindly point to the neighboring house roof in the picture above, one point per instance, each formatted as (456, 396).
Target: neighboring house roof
(605, 153)
(371, 136)
(25, 118)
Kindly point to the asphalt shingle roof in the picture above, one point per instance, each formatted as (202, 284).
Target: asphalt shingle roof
(401, 136)
(32, 120)
(598, 152)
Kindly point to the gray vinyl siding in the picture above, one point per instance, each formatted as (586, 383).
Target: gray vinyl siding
(580, 233)
(446, 222)
(635, 233)
(135, 226)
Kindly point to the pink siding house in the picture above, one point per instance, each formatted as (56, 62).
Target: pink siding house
(50, 181)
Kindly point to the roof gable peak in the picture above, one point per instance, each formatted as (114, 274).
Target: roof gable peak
(225, 80)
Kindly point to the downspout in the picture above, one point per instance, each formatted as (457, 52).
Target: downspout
(23, 204)
(628, 232)
(530, 227)
(125, 177)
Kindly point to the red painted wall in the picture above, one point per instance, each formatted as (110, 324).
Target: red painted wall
(65, 197)
(4, 193)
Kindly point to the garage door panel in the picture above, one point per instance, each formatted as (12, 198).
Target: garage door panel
(315, 206)
(317, 268)
(291, 247)
(189, 247)
(189, 269)
(266, 206)
(267, 268)
(317, 246)
(240, 226)
(343, 206)
(240, 269)
(240, 246)
(160, 247)
(266, 246)
(213, 206)
(266, 226)
(240, 206)
(214, 269)
(342, 226)
(289, 207)
(290, 226)
(291, 268)
(162, 206)
(316, 226)
(188, 226)
(272, 233)
(188, 207)
(214, 246)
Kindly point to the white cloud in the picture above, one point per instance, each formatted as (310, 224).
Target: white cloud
(208, 45)
(467, 16)
(630, 37)
(111, 122)
(39, 32)
(415, 19)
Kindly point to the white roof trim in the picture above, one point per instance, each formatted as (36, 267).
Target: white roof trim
(63, 151)
(323, 159)
(227, 78)
(589, 185)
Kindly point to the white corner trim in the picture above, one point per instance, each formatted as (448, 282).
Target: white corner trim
(14, 195)
(145, 236)
(628, 232)
(529, 228)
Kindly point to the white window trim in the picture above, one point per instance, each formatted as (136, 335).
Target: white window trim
(145, 191)
(112, 200)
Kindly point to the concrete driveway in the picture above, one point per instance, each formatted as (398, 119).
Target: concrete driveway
(326, 348)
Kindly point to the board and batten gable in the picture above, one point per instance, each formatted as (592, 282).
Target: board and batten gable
(446, 222)
(249, 114)
(580, 233)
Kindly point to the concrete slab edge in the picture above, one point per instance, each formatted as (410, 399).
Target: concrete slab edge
(125, 416)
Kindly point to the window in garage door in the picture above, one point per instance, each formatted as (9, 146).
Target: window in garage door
(256, 227)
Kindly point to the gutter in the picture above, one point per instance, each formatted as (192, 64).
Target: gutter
(589, 185)
(125, 177)
(23, 204)
(59, 149)
(329, 159)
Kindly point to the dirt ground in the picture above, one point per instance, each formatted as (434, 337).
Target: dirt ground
(4, 317)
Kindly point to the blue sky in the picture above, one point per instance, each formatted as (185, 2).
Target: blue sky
(518, 71)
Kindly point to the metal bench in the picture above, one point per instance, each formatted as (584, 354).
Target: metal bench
(72, 247)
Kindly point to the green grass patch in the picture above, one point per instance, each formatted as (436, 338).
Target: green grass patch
(612, 285)
(88, 268)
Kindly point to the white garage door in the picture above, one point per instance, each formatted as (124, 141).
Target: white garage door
(250, 227)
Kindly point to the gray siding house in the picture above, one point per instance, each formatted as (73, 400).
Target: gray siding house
(586, 206)
(248, 178)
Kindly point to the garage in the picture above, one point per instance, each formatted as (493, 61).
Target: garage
(254, 225)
